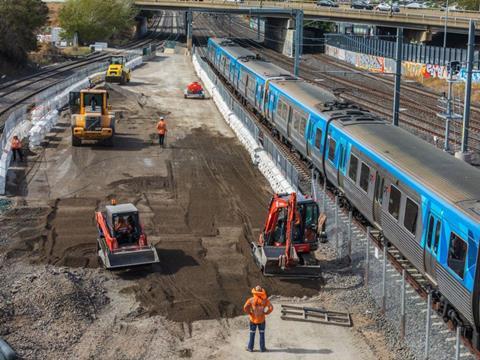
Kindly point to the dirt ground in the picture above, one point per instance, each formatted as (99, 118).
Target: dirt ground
(201, 203)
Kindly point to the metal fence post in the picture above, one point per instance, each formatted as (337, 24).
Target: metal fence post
(457, 343)
(324, 197)
(336, 227)
(402, 307)
(367, 255)
(384, 278)
(427, 330)
(350, 236)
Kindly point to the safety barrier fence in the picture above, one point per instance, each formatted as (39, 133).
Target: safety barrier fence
(262, 139)
(426, 54)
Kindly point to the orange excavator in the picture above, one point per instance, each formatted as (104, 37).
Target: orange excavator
(291, 234)
(194, 90)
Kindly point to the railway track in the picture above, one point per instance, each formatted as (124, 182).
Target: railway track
(413, 276)
(30, 86)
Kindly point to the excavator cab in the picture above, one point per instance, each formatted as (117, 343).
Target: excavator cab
(289, 237)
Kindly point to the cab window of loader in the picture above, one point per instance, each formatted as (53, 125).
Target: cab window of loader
(93, 102)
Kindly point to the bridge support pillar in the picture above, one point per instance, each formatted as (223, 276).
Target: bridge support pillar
(141, 27)
(298, 40)
(188, 23)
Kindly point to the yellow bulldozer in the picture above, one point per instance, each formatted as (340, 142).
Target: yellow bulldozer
(91, 117)
(117, 71)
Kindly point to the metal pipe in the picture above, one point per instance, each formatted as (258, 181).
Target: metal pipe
(350, 236)
(402, 307)
(336, 226)
(427, 330)
(457, 343)
(468, 86)
(384, 278)
(398, 76)
(367, 255)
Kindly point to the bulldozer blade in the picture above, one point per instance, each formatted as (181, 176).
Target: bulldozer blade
(128, 258)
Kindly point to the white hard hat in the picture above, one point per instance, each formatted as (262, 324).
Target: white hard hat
(162, 118)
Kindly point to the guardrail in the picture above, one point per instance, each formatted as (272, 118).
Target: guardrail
(413, 17)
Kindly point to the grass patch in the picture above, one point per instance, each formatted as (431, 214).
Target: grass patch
(79, 51)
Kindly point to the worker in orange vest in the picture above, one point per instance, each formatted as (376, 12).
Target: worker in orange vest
(257, 307)
(17, 148)
(162, 130)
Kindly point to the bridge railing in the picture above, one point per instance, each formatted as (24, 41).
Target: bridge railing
(425, 54)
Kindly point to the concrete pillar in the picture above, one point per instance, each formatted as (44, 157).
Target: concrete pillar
(279, 34)
(141, 26)
(189, 29)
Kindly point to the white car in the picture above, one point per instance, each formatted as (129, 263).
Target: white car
(386, 7)
(416, 5)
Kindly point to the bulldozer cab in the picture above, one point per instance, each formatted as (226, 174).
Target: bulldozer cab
(117, 60)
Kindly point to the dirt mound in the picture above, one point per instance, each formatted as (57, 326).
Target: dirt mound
(47, 301)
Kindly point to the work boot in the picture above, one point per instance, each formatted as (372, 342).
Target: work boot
(248, 349)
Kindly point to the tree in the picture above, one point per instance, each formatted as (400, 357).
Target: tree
(470, 4)
(95, 20)
(19, 21)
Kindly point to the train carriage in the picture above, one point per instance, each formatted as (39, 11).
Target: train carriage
(425, 202)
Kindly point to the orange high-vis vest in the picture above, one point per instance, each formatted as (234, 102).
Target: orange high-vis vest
(16, 144)
(258, 306)
(161, 127)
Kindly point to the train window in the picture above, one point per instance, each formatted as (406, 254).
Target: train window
(303, 125)
(282, 109)
(318, 138)
(332, 144)
(430, 231)
(364, 177)
(394, 202)
(411, 215)
(353, 168)
(251, 85)
(457, 253)
(437, 236)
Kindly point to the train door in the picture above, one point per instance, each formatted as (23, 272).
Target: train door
(432, 240)
(378, 197)
(308, 136)
(289, 122)
(342, 154)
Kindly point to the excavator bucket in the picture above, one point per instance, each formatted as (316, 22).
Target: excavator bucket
(127, 256)
(269, 260)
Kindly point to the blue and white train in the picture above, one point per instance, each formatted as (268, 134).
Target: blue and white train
(426, 202)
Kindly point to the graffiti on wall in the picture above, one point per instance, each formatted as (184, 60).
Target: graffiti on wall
(336, 52)
(387, 65)
(370, 63)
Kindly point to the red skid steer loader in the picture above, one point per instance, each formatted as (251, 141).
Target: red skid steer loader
(121, 241)
(290, 236)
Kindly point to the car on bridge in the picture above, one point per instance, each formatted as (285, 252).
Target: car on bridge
(327, 3)
(387, 7)
(416, 5)
(360, 4)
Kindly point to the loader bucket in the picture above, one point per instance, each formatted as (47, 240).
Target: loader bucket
(267, 258)
(128, 257)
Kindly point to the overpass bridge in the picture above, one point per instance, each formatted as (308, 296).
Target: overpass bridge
(419, 19)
